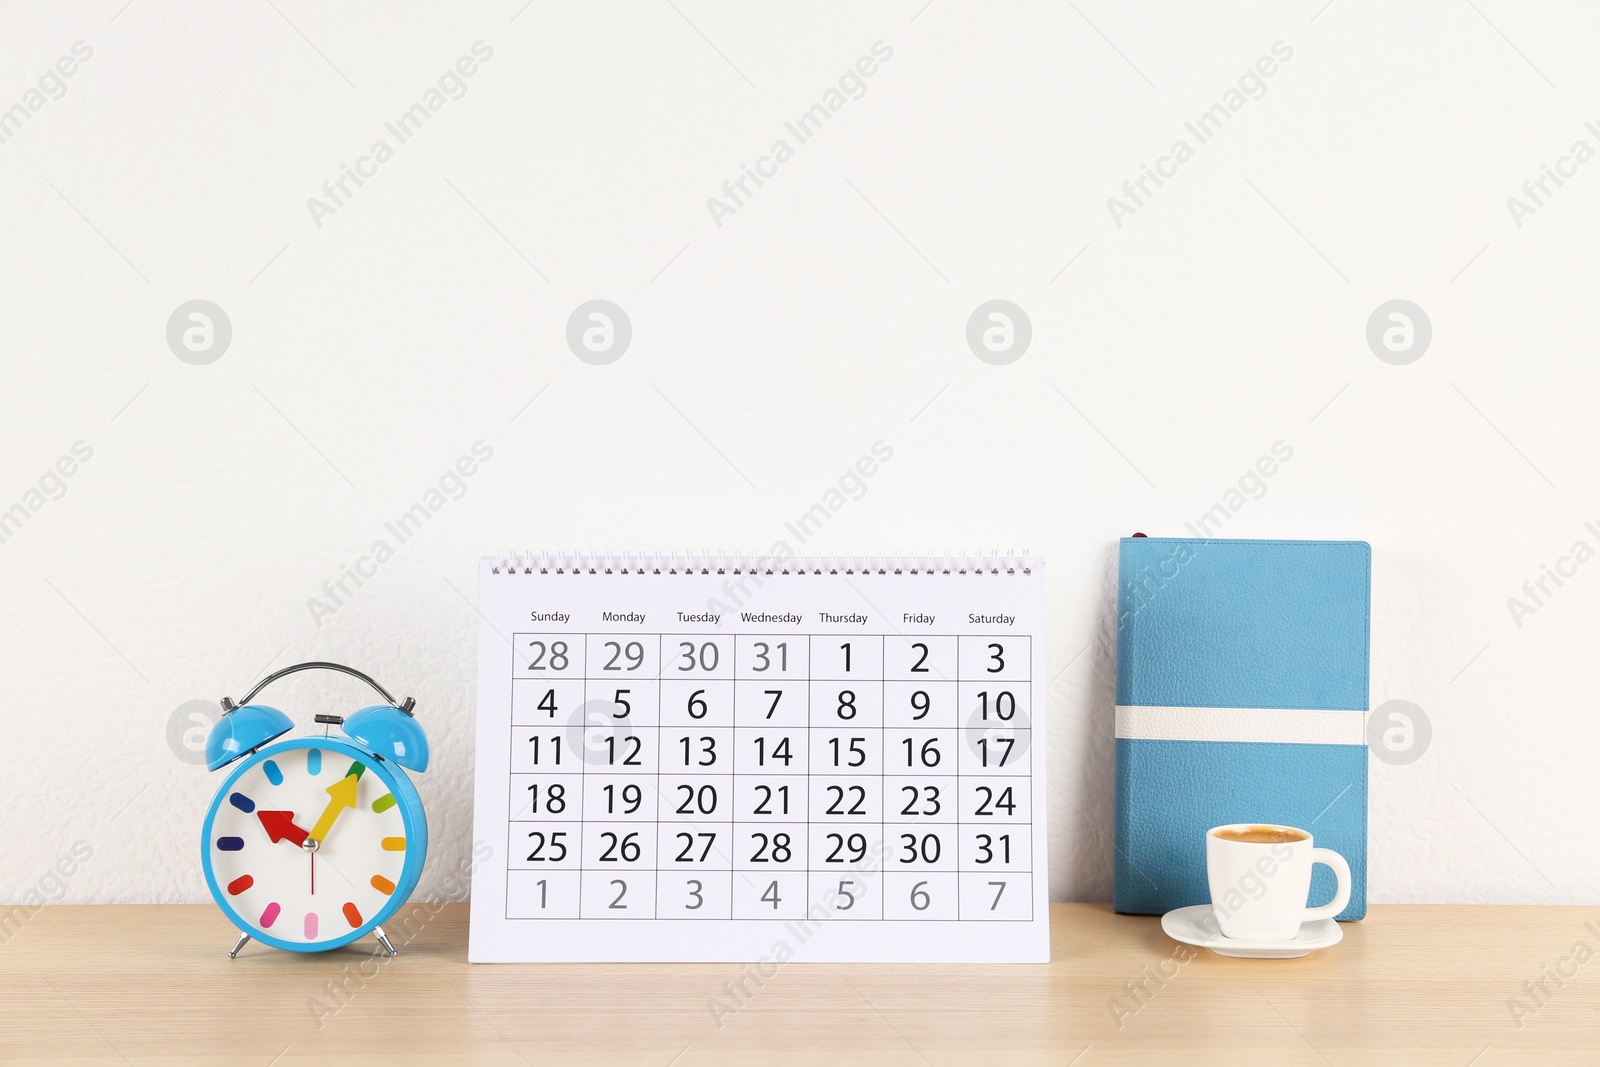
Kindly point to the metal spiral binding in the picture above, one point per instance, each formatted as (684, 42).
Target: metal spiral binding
(529, 562)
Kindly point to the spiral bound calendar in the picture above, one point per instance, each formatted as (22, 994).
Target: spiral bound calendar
(736, 759)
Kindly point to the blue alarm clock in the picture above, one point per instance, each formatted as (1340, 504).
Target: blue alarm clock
(311, 843)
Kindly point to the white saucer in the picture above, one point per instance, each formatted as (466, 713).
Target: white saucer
(1194, 926)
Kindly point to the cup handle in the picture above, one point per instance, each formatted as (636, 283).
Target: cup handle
(1341, 896)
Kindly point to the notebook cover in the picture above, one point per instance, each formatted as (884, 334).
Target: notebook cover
(1242, 674)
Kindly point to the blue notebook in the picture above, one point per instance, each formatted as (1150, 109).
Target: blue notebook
(1241, 697)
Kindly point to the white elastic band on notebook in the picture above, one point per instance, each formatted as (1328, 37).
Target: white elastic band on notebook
(1270, 725)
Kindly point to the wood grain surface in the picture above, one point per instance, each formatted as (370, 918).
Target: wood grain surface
(1411, 985)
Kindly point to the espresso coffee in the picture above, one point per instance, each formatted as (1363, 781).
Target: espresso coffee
(1262, 835)
(1260, 878)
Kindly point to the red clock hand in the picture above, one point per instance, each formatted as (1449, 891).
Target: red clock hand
(280, 825)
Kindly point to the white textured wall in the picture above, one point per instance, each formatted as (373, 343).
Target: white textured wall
(826, 313)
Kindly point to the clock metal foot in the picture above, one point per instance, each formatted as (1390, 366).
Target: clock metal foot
(233, 953)
(383, 939)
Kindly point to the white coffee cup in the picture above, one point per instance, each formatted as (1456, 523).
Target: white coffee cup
(1260, 877)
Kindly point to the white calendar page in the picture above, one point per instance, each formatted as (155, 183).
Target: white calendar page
(748, 765)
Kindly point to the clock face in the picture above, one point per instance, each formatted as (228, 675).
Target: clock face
(308, 845)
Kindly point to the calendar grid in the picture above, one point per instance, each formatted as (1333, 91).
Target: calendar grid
(748, 786)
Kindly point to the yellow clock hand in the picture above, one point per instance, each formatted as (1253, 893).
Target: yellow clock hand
(341, 795)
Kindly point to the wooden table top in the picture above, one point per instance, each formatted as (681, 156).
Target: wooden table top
(1411, 985)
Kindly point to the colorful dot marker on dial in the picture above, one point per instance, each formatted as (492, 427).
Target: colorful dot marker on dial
(240, 884)
(269, 914)
(313, 761)
(383, 803)
(242, 802)
(311, 926)
(382, 885)
(273, 772)
(352, 914)
(230, 844)
(394, 844)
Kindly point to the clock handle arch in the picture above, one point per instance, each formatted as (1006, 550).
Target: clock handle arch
(405, 706)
